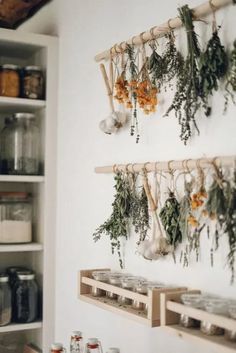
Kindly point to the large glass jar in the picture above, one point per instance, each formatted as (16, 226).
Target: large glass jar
(3, 140)
(5, 301)
(9, 81)
(195, 301)
(33, 82)
(25, 299)
(76, 342)
(23, 145)
(15, 217)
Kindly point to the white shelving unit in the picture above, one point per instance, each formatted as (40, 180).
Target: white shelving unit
(21, 48)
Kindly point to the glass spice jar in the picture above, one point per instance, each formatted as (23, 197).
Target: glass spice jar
(216, 306)
(33, 82)
(76, 342)
(115, 280)
(126, 283)
(195, 301)
(5, 300)
(57, 348)
(102, 277)
(141, 288)
(93, 346)
(9, 81)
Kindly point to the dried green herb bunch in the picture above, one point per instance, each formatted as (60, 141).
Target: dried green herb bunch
(170, 217)
(156, 66)
(117, 225)
(185, 210)
(213, 66)
(230, 86)
(187, 101)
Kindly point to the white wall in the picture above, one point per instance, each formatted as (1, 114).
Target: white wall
(84, 198)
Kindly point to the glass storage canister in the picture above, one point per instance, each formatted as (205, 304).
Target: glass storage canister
(3, 142)
(231, 335)
(15, 217)
(33, 82)
(9, 81)
(23, 145)
(5, 301)
(57, 348)
(25, 299)
(141, 288)
(115, 280)
(93, 346)
(76, 342)
(195, 301)
(216, 306)
(99, 276)
(127, 283)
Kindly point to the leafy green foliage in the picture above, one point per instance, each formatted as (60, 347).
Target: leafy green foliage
(230, 86)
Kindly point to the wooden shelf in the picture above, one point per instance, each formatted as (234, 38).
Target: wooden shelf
(213, 343)
(21, 327)
(171, 308)
(21, 247)
(152, 299)
(13, 105)
(22, 178)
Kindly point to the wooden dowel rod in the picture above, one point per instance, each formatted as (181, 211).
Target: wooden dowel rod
(159, 31)
(227, 161)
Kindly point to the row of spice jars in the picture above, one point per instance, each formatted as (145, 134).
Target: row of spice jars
(19, 296)
(20, 145)
(133, 283)
(211, 304)
(27, 82)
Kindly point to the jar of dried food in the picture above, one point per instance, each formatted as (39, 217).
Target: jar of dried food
(33, 82)
(141, 288)
(57, 348)
(25, 299)
(76, 342)
(115, 280)
(102, 277)
(15, 217)
(5, 300)
(4, 141)
(216, 306)
(23, 145)
(195, 301)
(9, 81)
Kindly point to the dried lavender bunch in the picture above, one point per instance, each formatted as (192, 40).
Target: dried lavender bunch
(213, 66)
(230, 86)
(187, 99)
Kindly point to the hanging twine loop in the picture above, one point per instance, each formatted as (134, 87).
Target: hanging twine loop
(213, 9)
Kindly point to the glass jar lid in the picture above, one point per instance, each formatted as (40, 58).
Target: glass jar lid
(10, 67)
(24, 116)
(32, 68)
(100, 275)
(93, 341)
(193, 299)
(3, 278)
(77, 334)
(26, 276)
(218, 306)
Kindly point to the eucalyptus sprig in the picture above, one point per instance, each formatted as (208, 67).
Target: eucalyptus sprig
(230, 86)
(117, 225)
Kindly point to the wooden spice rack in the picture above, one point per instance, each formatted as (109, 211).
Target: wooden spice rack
(171, 308)
(152, 299)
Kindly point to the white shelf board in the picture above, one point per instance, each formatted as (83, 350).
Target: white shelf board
(22, 178)
(21, 247)
(21, 327)
(11, 105)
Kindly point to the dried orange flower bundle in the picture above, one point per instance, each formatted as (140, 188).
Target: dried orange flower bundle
(122, 92)
(147, 96)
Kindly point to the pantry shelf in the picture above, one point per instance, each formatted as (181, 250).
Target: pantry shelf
(11, 105)
(32, 247)
(21, 327)
(150, 318)
(22, 178)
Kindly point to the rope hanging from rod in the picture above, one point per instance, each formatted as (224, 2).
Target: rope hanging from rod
(226, 161)
(159, 31)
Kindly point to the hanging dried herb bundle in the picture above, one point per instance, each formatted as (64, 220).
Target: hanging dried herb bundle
(231, 78)
(156, 66)
(140, 214)
(213, 66)
(230, 228)
(187, 100)
(185, 210)
(170, 218)
(116, 227)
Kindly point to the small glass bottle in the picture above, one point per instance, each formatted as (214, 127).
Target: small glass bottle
(33, 82)
(57, 348)
(9, 81)
(76, 342)
(5, 301)
(25, 299)
(93, 346)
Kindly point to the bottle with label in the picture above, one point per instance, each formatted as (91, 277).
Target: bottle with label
(76, 342)
(93, 346)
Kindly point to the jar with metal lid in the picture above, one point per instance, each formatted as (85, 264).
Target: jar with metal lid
(115, 280)
(15, 217)
(25, 299)
(33, 82)
(9, 81)
(23, 145)
(141, 288)
(5, 300)
(102, 277)
(4, 140)
(93, 346)
(76, 342)
(57, 348)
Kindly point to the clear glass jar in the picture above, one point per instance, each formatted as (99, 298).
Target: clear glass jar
(76, 342)
(9, 81)
(15, 217)
(4, 140)
(22, 145)
(57, 348)
(114, 279)
(25, 299)
(5, 301)
(93, 346)
(102, 277)
(127, 283)
(141, 288)
(195, 301)
(216, 306)
(33, 82)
